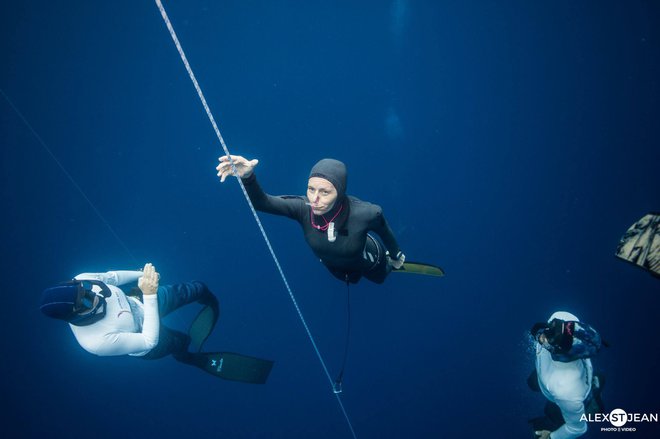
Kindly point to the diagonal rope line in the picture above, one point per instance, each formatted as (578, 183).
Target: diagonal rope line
(71, 179)
(76, 185)
(247, 198)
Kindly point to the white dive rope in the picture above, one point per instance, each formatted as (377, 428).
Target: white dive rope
(247, 198)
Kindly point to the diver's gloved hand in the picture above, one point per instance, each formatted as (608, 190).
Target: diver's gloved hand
(244, 167)
(398, 262)
(543, 434)
(148, 283)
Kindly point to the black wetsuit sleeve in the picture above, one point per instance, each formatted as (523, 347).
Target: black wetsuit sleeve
(380, 226)
(292, 207)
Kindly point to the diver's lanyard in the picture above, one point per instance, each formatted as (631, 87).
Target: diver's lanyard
(327, 223)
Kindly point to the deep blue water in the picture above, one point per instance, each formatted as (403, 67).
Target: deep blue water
(510, 142)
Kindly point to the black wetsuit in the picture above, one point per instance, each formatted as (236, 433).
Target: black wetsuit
(355, 252)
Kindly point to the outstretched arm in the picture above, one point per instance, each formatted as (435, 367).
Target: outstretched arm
(117, 277)
(292, 207)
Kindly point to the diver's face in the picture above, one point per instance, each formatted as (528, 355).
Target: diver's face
(321, 195)
(83, 309)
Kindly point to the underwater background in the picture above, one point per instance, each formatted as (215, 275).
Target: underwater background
(510, 142)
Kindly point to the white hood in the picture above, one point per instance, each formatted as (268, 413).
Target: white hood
(563, 315)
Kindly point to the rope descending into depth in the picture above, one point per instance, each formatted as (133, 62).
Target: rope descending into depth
(247, 198)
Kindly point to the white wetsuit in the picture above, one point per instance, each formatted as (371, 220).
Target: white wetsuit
(129, 327)
(567, 385)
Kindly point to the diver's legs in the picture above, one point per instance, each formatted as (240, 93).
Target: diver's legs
(170, 341)
(173, 297)
(373, 265)
(375, 253)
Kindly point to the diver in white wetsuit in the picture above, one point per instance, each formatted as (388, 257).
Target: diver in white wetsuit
(564, 374)
(106, 321)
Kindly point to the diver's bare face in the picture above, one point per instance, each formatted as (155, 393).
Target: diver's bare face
(321, 195)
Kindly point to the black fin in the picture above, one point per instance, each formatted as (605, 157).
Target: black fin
(231, 366)
(420, 268)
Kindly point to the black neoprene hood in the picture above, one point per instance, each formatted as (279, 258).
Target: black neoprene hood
(334, 171)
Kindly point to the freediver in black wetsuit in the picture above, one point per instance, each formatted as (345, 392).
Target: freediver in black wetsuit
(336, 226)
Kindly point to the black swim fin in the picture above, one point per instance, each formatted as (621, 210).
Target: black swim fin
(640, 245)
(202, 326)
(231, 366)
(551, 420)
(420, 268)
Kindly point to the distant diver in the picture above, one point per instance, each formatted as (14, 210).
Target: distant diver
(107, 322)
(640, 245)
(564, 374)
(351, 237)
